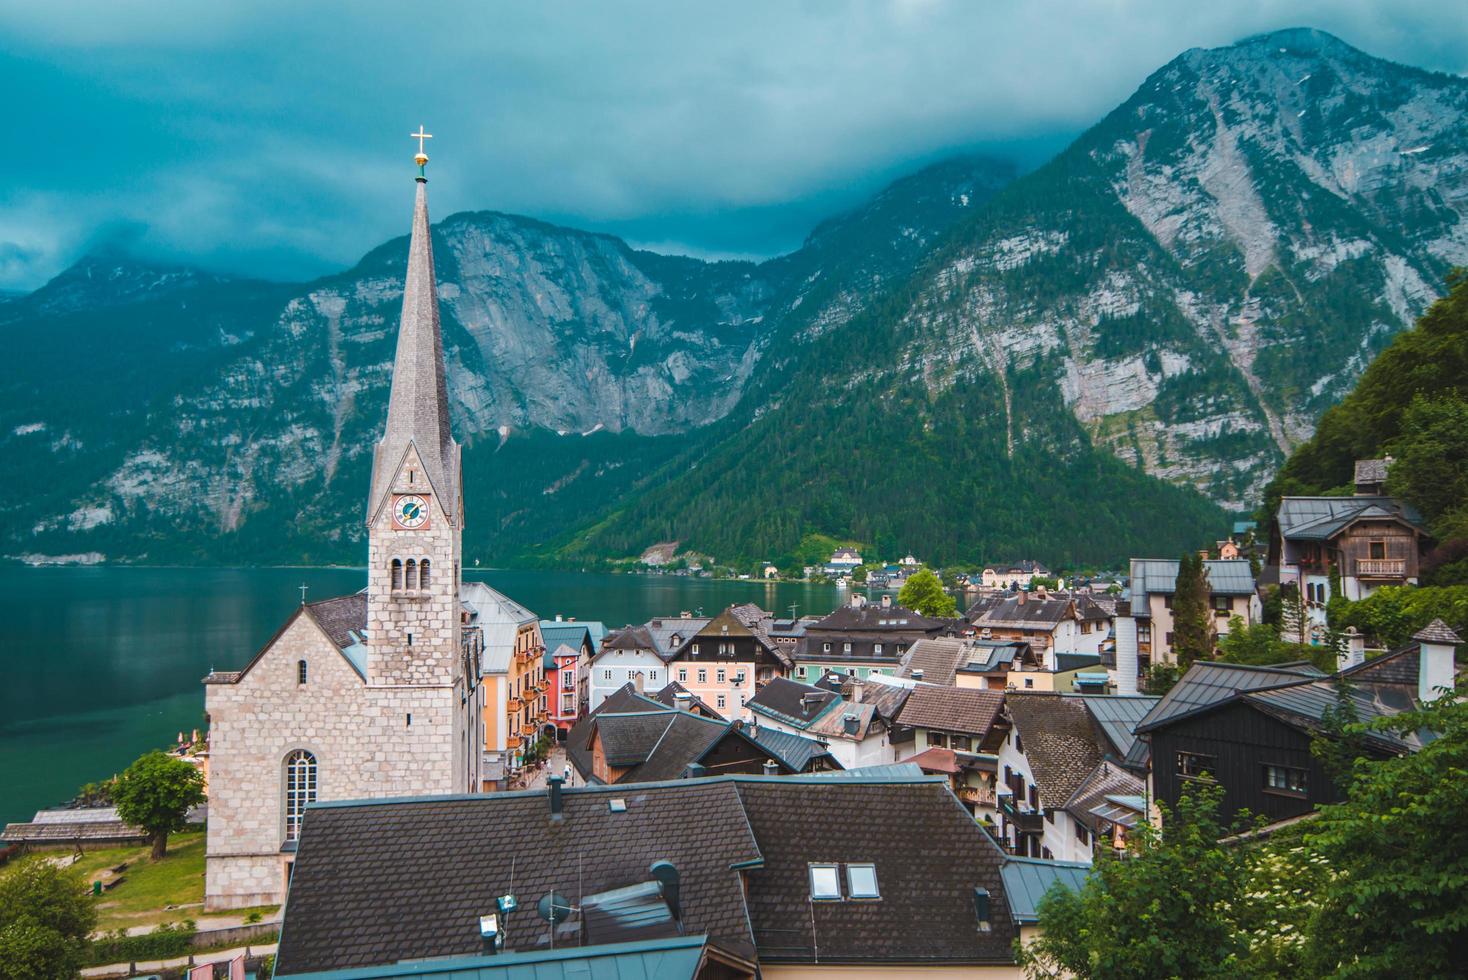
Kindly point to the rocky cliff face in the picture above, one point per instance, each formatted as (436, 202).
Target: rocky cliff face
(267, 428)
(1213, 264)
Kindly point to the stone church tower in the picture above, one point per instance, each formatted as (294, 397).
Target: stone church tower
(373, 694)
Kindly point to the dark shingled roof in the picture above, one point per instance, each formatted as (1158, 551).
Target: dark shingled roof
(929, 854)
(1370, 471)
(341, 616)
(952, 709)
(1060, 742)
(1021, 610)
(1107, 779)
(628, 739)
(578, 739)
(386, 881)
(875, 616)
(783, 697)
(938, 658)
(380, 882)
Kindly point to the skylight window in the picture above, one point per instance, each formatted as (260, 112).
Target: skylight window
(825, 883)
(861, 881)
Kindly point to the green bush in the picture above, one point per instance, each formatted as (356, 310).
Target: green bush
(1393, 613)
(165, 942)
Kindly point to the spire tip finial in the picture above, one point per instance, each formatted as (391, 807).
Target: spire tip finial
(420, 157)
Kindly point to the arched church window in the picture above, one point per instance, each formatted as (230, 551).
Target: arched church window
(423, 574)
(397, 574)
(300, 671)
(411, 581)
(300, 789)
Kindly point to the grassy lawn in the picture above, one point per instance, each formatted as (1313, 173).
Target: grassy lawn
(150, 886)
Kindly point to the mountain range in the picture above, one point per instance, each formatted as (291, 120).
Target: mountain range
(1103, 356)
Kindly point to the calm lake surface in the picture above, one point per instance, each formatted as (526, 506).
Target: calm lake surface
(98, 665)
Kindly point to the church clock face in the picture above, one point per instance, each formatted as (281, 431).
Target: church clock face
(410, 512)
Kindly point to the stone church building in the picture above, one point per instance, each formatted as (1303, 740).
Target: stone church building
(368, 695)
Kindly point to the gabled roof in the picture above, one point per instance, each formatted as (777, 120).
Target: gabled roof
(795, 752)
(937, 657)
(391, 881)
(936, 759)
(1022, 611)
(418, 405)
(573, 635)
(1159, 575)
(876, 617)
(1308, 706)
(627, 739)
(342, 619)
(1027, 880)
(669, 696)
(629, 638)
(578, 739)
(1106, 780)
(1208, 683)
(791, 701)
(951, 709)
(1322, 518)
(1060, 741)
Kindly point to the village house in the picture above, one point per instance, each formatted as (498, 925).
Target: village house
(1016, 576)
(781, 877)
(843, 561)
(627, 656)
(1069, 769)
(1363, 542)
(862, 639)
(632, 738)
(854, 730)
(1231, 592)
(724, 662)
(1049, 622)
(1250, 729)
(569, 647)
(516, 706)
(956, 732)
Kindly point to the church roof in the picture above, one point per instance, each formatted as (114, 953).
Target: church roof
(418, 408)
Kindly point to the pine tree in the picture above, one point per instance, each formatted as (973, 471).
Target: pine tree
(1192, 620)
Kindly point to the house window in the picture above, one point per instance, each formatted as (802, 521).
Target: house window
(695, 649)
(1019, 746)
(825, 883)
(1034, 797)
(300, 789)
(961, 743)
(606, 675)
(1222, 603)
(1081, 834)
(721, 703)
(720, 677)
(300, 671)
(703, 677)
(568, 678)
(1167, 602)
(1192, 765)
(938, 738)
(397, 574)
(410, 581)
(825, 647)
(861, 881)
(1286, 780)
(846, 648)
(1085, 627)
(1377, 549)
(682, 673)
(423, 574)
(877, 649)
(1169, 637)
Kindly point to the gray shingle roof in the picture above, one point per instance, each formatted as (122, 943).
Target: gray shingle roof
(938, 658)
(1107, 779)
(1022, 611)
(1370, 471)
(418, 406)
(799, 703)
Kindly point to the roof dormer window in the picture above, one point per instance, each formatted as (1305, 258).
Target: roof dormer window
(825, 883)
(861, 881)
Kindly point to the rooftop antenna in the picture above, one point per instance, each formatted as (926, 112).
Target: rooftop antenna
(554, 909)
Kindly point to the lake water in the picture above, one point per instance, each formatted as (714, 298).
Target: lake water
(98, 665)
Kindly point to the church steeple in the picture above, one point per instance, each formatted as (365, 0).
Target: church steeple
(418, 408)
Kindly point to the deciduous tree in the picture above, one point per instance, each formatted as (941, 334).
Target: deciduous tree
(156, 793)
(46, 918)
(925, 594)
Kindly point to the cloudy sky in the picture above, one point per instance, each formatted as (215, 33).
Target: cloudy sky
(270, 137)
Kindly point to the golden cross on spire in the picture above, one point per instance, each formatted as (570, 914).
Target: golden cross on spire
(421, 158)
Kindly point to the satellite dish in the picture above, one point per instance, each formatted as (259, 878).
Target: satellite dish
(554, 908)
